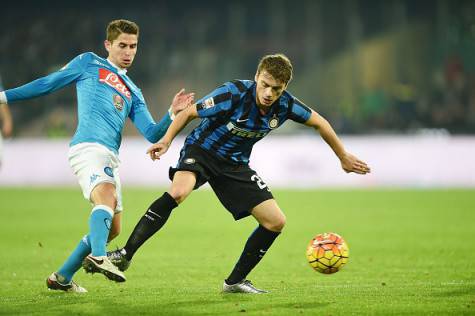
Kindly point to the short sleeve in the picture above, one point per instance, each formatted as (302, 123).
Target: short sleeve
(218, 101)
(299, 112)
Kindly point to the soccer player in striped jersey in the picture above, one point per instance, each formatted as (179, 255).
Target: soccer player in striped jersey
(106, 98)
(234, 117)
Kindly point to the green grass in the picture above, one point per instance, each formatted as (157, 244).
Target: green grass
(411, 252)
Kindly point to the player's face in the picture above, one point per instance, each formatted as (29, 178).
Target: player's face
(122, 50)
(268, 89)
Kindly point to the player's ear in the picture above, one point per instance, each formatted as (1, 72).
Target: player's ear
(257, 75)
(107, 45)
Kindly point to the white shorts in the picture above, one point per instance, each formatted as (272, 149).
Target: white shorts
(93, 164)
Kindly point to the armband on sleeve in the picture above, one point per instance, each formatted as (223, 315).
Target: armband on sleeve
(170, 112)
(3, 98)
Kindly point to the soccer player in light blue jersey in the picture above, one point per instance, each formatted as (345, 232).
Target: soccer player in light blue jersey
(106, 96)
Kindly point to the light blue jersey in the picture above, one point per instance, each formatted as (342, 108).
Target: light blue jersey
(106, 96)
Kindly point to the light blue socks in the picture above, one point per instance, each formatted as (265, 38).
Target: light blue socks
(94, 243)
(99, 226)
(73, 263)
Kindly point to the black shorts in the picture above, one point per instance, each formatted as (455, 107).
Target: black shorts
(237, 186)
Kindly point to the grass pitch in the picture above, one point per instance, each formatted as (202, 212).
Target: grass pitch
(411, 252)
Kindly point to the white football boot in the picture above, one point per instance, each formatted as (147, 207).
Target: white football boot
(103, 265)
(53, 284)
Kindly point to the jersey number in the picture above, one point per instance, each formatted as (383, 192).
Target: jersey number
(261, 184)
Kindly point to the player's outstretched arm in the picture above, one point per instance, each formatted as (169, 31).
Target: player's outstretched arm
(349, 163)
(48, 84)
(181, 120)
(144, 122)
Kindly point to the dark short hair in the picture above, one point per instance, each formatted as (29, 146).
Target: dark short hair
(278, 66)
(117, 27)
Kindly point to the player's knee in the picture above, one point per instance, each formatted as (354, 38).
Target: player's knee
(105, 194)
(111, 201)
(276, 224)
(178, 194)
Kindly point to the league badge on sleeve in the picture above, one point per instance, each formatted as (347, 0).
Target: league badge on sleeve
(208, 103)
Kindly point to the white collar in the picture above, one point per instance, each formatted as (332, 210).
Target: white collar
(120, 71)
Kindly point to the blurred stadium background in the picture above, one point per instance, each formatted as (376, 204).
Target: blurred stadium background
(396, 78)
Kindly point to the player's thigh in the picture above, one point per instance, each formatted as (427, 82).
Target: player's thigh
(240, 190)
(182, 185)
(104, 194)
(269, 215)
(96, 169)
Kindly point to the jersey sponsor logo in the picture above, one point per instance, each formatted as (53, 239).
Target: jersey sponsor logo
(244, 132)
(208, 103)
(114, 81)
(118, 102)
(242, 120)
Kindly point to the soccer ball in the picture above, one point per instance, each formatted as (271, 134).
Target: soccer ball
(327, 253)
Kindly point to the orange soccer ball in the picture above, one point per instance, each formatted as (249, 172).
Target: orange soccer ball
(327, 253)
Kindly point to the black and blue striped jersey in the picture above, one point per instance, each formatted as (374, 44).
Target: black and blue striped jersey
(232, 123)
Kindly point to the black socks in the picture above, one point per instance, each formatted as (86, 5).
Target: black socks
(155, 217)
(256, 247)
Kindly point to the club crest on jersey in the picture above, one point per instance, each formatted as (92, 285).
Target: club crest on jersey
(118, 102)
(273, 122)
(208, 103)
(114, 81)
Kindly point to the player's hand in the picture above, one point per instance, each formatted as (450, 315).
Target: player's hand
(157, 150)
(350, 163)
(181, 101)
